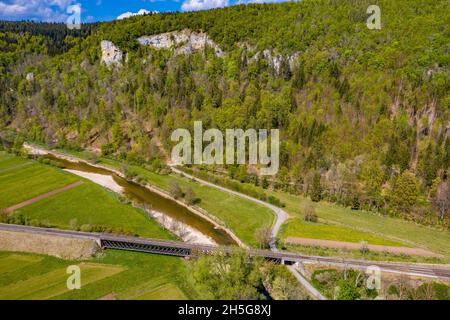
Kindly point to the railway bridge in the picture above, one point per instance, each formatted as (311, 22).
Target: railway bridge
(182, 249)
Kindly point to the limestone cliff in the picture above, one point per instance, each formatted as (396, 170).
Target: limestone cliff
(111, 54)
(184, 42)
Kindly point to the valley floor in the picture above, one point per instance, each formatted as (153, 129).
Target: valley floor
(126, 275)
(336, 223)
(112, 275)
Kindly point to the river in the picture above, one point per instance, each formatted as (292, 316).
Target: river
(173, 216)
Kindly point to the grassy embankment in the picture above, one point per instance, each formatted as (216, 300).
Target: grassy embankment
(242, 216)
(122, 275)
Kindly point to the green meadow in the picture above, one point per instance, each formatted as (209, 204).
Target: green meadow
(93, 205)
(22, 179)
(113, 274)
(391, 229)
(301, 229)
(335, 222)
(117, 274)
(343, 224)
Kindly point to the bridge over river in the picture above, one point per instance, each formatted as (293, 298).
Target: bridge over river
(182, 249)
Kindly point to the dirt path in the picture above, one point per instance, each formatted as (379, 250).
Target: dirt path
(357, 246)
(41, 197)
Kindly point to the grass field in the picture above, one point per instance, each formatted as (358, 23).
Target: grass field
(124, 275)
(20, 182)
(301, 229)
(115, 273)
(9, 162)
(94, 205)
(382, 229)
(405, 232)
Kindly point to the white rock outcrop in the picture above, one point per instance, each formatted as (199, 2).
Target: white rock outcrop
(184, 42)
(30, 76)
(111, 54)
(275, 60)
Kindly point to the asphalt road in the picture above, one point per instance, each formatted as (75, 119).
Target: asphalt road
(281, 215)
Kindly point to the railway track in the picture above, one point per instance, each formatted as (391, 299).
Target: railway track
(182, 249)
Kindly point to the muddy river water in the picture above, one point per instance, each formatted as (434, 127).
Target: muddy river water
(167, 212)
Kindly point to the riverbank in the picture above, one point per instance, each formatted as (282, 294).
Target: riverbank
(179, 228)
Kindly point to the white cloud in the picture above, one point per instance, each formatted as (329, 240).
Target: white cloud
(45, 10)
(131, 14)
(195, 5)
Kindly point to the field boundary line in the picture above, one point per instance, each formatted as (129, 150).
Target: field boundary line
(41, 197)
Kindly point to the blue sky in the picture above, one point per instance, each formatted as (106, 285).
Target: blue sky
(102, 10)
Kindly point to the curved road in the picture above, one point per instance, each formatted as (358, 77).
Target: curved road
(281, 215)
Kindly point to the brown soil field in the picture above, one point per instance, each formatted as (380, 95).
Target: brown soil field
(358, 246)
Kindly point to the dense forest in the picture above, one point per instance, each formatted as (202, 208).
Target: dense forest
(56, 35)
(364, 115)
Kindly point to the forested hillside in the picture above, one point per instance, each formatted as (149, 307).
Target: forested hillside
(364, 114)
(56, 35)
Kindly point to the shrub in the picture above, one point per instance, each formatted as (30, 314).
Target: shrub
(44, 160)
(92, 158)
(3, 217)
(364, 247)
(309, 213)
(86, 228)
(19, 219)
(190, 197)
(140, 179)
(348, 290)
(175, 190)
(73, 224)
(264, 235)
(276, 202)
(107, 149)
(34, 223)
(316, 189)
(130, 174)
